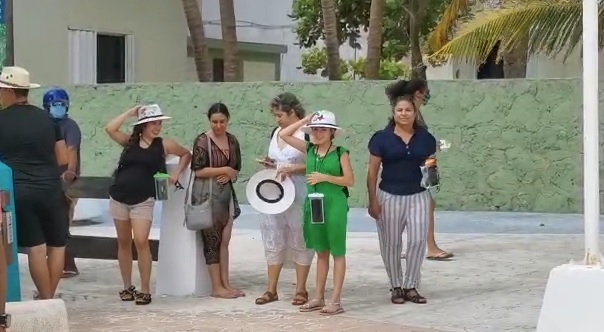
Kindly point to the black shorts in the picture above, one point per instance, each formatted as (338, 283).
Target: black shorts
(42, 217)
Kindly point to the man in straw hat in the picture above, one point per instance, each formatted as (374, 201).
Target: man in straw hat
(31, 144)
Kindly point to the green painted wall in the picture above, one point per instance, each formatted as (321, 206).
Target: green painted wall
(516, 144)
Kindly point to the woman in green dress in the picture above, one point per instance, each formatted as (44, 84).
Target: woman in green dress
(329, 174)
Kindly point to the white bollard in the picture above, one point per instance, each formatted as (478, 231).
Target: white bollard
(181, 268)
(34, 316)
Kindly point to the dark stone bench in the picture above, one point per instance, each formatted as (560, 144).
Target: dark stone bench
(97, 247)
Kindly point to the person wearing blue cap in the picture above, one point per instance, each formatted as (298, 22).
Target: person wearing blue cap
(56, 103)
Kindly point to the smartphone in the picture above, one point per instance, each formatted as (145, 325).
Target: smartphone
(317, 212)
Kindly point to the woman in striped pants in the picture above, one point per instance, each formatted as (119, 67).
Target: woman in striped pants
(401, 202)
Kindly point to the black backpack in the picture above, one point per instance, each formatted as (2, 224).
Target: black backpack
(338, 151)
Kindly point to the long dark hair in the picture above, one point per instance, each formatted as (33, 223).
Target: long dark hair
(405, 90)
(134, 138)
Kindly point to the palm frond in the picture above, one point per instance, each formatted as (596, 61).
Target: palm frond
(444, 29)
(549, 26)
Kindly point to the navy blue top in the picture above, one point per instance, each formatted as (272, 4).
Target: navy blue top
(401, 174)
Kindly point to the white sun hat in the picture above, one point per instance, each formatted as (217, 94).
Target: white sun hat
(149, 113)
(16, 78)
(267, 194)
(322, 119)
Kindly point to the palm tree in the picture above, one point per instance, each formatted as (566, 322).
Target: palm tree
(192, 10)
(229, 40)
(548, 27)
(417, 13)
(374, 40)
(332, 44)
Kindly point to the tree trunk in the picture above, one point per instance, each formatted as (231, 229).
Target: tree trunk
(9, 47)
(332, 45)
(229, 41)
(514, 62)
(374, 40)
(192, 10)
(417, 13)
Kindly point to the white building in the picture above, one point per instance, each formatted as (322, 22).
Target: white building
(132, 41)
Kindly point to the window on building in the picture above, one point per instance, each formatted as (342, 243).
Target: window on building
(218, 70)
(96, 57)
(110, 58)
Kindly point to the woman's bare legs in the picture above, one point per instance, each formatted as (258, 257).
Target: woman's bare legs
(434, 252)
(141, 230)
(123, 229)
(302, 272)
(339, 273)
(218, 289)
(322, 272)
(224, 259)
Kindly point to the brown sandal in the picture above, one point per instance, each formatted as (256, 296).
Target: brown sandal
(142, 298)
(128, 294)
(300, 298)
(266, 298)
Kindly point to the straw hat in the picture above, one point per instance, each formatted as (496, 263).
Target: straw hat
(149, 113)
(322, 119)
(268, 195)
(16, 78)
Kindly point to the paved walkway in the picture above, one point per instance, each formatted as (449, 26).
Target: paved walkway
(495, 283)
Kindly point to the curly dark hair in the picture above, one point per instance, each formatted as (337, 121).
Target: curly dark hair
(405, 90)
(288, 102)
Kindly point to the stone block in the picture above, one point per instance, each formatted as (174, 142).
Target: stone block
(37, 316)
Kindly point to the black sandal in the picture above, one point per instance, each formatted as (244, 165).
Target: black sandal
(412, 295)
(398, 296)
(128, 294)
(143, 298)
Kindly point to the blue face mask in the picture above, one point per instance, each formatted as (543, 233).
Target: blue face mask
(58, 111)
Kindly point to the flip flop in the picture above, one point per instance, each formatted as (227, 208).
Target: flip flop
(70, 274)
(332, 309)
(312, 305)
(442, 256)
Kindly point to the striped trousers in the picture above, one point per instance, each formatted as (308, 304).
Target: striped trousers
(399, 212)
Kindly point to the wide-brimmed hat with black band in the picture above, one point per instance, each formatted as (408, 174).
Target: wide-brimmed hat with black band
(16, 78)
(150, 113)
(269, 195)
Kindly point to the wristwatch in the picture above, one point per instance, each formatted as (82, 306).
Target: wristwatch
(5, 320)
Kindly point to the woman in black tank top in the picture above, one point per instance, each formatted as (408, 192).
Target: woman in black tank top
(132, 193)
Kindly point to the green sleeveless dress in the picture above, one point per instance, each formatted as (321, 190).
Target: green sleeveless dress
(331, 235)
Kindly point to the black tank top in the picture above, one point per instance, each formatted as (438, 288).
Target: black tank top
(133, 181)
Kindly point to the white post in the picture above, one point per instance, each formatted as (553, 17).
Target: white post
(591, 133)
(181, 268)
(583, 283)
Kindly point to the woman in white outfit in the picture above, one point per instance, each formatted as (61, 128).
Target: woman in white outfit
(282, 233)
